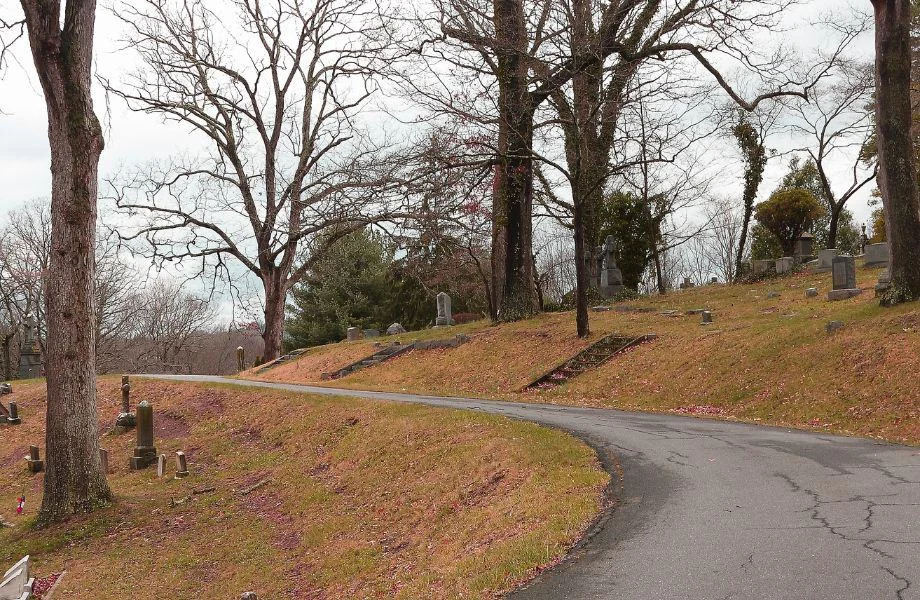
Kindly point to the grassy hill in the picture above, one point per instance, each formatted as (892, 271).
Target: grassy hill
(764, 359)
(357, 499)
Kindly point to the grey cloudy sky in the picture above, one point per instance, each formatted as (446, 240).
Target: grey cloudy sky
(133, 138)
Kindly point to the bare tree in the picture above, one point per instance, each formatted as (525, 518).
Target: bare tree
(61, 41)
(275, 90)
(897, 168)
(839, 125)
(723, 236)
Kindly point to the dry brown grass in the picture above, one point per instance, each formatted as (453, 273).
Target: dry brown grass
(365, 499)
(764, 359)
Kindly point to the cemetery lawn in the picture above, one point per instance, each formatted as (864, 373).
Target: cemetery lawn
(764, 360)
(298, 496)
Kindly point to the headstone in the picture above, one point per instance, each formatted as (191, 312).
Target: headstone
(249, 596)
(761, 267)
(104, 460)
(884, 282)
(811, 292)
(16, 583)
(354, 334)
(772, 295)
(877, 255)
(13, 419)
(833, 326)
(161, 465)
(610, 282)
(826, 260)
(240, 358)
(714, 280)
(784, 265)
(35, 464)
(706, 317)
(371, 333)
(844, 275)
(181, 465)
(804, 246)
(686, 284)
(145, 453)
(396, 329)
(844, 268)
(6, 388)
(30, 354)
(445, 315)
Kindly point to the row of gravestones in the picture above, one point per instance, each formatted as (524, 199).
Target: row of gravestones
(145, 453)
(876, 255)
(444, 319)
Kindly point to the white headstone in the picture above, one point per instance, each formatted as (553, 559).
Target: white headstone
(15, 581)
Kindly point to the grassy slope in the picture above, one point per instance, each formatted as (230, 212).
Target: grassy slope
(764, 359)
(366, 499)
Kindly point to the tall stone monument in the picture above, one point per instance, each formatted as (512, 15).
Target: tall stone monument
(30, 354)
(610, 278)
(445, 315)
(145, 454)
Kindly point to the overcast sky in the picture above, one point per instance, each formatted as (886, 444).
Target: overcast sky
(133, 138)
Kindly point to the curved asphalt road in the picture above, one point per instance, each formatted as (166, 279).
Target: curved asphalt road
(713, 510)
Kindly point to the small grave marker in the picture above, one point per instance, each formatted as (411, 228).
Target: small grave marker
(14, 418)
(35, 464)
(181, 465)
(161, 465)
(104, 460)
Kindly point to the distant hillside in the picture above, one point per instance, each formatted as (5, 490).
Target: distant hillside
(764, 359)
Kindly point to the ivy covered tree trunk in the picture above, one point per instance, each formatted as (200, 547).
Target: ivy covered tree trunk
(74, 480)
(897, 172)
(515, 202)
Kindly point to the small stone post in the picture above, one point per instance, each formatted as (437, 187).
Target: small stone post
(13, 419)
(161, 465)
(181, 465)
(240, 359)
(36, 464)
(104, 460)
(125, 394)
(145, 453)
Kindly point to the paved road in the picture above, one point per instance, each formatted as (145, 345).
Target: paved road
(711, 510)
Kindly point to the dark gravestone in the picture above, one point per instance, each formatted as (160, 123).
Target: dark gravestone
(844, 275)
(145, 454)
(240, 359)
(13, 419)
(104, 460)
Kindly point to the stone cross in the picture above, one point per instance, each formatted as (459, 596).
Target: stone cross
(13, 419)
(445, 316)
(145, 453)
(181, 465)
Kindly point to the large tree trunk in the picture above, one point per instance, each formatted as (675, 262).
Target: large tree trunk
(74, 480)
(275, 299)
(581, 274)
(833, 226)
(897, 172)
(515, 207)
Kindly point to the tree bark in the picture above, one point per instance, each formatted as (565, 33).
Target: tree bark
(518, 298)
(897, 172)
(833, 225)
(581, 275)
(74, 480)
(275, 299)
